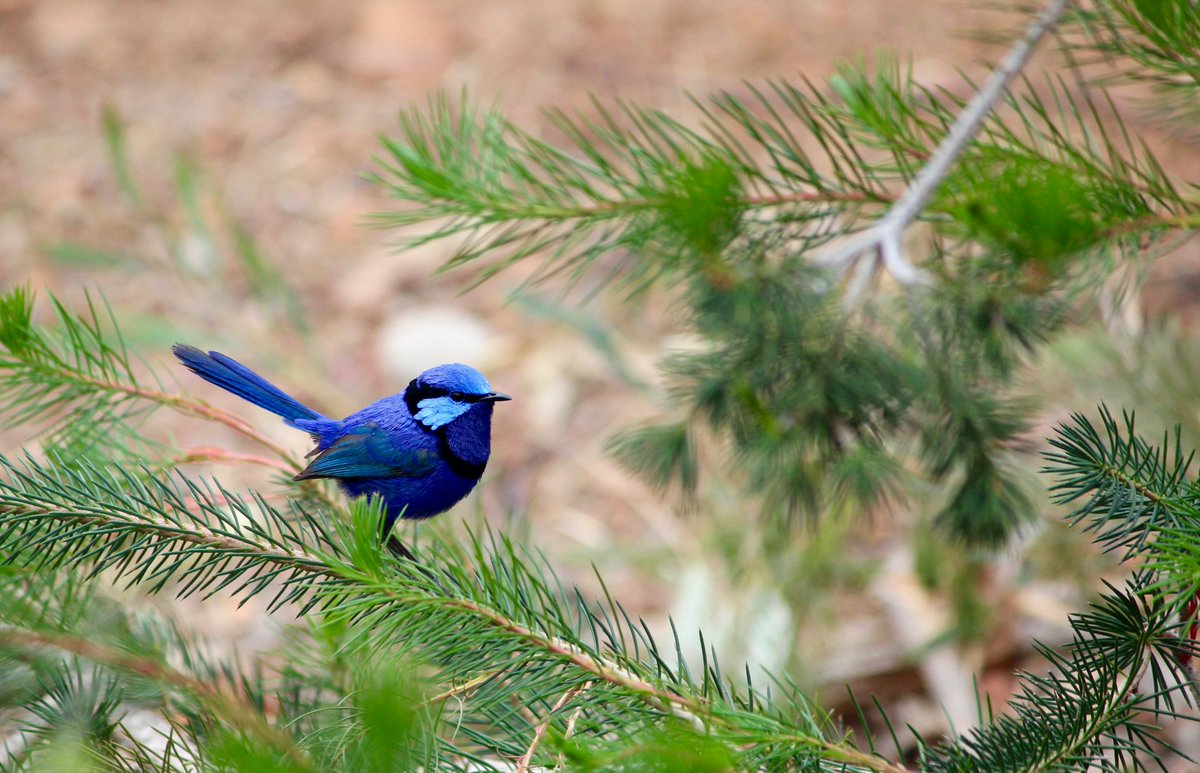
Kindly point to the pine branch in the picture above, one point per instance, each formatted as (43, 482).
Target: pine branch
(1140, 500)
(1085, 710)
(497, 631)
(472, 612)
(154, 531)
(884, 240)
(1127, 491)
(56, 375)
(509, 196)
(472, 175)
(79, 378)
(1034, 197)
(210, 454)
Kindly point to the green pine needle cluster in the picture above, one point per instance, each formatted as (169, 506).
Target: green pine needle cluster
(1150, 41)
(73, 378)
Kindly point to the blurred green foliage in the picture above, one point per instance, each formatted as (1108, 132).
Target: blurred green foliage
(808, 400)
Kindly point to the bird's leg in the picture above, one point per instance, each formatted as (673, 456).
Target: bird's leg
(402, 553)
(398, 549)
(388, 537)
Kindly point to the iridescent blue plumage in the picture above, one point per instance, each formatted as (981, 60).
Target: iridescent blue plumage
(421, 450)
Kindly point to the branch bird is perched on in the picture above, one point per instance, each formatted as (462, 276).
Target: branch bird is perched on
(421, 450)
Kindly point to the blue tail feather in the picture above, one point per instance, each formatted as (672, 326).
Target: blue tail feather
(234, 377)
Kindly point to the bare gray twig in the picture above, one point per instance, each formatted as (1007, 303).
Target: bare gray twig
(883, 242)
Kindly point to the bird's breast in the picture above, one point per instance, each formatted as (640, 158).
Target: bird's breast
(466, 443)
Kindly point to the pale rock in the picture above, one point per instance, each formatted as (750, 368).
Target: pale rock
(700, 605)
(197, 254)
(415, 339)
(768, 629)
(756, 623)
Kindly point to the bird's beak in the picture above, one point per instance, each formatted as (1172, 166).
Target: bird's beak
(495, 397)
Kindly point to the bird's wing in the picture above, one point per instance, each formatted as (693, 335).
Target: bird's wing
(368, 452)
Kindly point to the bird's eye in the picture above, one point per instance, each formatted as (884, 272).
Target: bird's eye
(456, 396)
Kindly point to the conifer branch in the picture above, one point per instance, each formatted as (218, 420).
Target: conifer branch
(883, 241)
(696, 712)
(143, 529)
(146, 525)
(146, 530)
(1096, 721)
(288, 462)
(79, 376)
(1084, 706)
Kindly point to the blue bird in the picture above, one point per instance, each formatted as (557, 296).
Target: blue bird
(421, 450)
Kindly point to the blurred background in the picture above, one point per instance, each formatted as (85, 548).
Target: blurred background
(202, 166)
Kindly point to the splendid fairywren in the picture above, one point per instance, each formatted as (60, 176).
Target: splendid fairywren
(421, 450)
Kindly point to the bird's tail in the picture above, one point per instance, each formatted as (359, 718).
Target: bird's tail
(235, 377)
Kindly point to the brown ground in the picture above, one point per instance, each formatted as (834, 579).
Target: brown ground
(278, 106)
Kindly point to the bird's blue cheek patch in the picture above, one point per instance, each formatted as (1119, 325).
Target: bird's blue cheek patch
(437, 412)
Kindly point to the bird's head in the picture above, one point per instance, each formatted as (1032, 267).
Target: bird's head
(442, 394)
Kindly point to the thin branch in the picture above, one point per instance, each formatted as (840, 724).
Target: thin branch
(196, 408)
(883, 242)
(1187, 222)
(203, 410)
(564, 699)
(466, 687)
(211, 454)
(681, 706)
(1087, 731)
(181, 403)
(618, 208)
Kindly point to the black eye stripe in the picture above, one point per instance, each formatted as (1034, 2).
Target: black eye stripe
(416, 392)
(423, 392)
